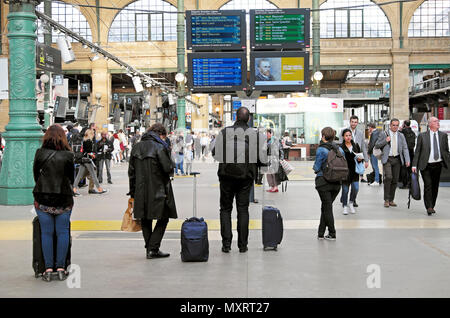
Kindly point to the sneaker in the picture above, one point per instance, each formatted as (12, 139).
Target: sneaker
(345, 212)
(352, 208)
(375, 183)
(330, 238)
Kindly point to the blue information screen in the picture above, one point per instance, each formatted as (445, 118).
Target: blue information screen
(217, 72)
(213, 29)
(236, 105)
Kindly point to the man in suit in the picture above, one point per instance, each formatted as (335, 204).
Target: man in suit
(395, 154)
(374, 134)
(431, 154)
(358, 138)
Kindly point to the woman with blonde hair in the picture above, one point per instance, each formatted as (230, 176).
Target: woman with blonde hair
(87, 165)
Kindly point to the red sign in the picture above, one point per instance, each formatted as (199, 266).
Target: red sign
(441, 113)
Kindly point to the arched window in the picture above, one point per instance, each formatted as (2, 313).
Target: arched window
(248, 5)
(340, 21)
(70, 17)
(430, 19)
(136, 26)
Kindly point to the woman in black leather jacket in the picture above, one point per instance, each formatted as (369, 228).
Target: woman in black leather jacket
(53, 171)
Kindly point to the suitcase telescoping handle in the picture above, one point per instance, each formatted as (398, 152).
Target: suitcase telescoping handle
(194, 208)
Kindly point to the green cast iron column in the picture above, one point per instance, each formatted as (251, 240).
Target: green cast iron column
(316, 45)
(47, 41)
(181, 101)
(23, 133)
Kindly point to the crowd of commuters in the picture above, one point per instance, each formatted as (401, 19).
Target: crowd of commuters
(399, 149)
(156, 156)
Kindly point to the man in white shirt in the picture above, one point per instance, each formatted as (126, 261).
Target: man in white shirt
(432, 152)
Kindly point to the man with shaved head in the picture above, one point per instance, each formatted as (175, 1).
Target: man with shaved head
(431, 154)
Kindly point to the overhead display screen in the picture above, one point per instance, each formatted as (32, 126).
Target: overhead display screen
(279, 28)
(217, 72)
(279, 71)
(216, 30)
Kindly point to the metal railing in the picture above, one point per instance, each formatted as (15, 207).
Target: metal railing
(431, 85)
(352, 93)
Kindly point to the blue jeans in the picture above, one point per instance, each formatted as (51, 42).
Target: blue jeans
(374, 163)
(179, 164)
(49, 223)
(353, 192)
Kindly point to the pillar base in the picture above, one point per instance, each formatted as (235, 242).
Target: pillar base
(19, 196)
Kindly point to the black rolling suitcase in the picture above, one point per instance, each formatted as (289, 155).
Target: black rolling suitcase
(38, 255)
(194, 235)
(272, 226)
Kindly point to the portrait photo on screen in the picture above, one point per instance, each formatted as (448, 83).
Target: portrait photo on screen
(279, 71)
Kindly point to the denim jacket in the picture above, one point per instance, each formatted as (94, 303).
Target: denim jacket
(321, 158)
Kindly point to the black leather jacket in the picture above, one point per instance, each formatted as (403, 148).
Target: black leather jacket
(101, 152)
(234, 170)
(54, 178)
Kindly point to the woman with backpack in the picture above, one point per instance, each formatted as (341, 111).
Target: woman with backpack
(53, 172)
(350, 149)
(328, 190)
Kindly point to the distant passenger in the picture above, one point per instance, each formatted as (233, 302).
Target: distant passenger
(53, 172)
(395, 154)
(410, 136)
(264, 68)
(373, 137)
(432, 153)
(149, 175)
(328, 191)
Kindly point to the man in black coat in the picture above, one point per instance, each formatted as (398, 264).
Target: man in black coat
(374, 133)
(410, 137)
(149, 172)
(432, 152)
(104, 149)
(238, 165)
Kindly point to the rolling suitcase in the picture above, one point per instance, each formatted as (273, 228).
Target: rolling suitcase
(194, 235)
(272, 226)
(38, 255)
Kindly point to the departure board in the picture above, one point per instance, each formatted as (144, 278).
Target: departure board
(214, 72)
(207, 30)
(279, 28)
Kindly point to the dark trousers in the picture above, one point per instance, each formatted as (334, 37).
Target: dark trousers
(107, 163)
(328, 193)
(405, 172)
(431, 176)
(229, 189)
(153, 238)
(391, 172)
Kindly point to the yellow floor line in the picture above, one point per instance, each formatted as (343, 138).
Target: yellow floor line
(22, 229)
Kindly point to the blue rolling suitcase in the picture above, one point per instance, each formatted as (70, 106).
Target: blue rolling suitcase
(272, 226)
(194, 235)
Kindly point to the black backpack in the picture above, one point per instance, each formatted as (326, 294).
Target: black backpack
(336, 169)
(410, 137)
